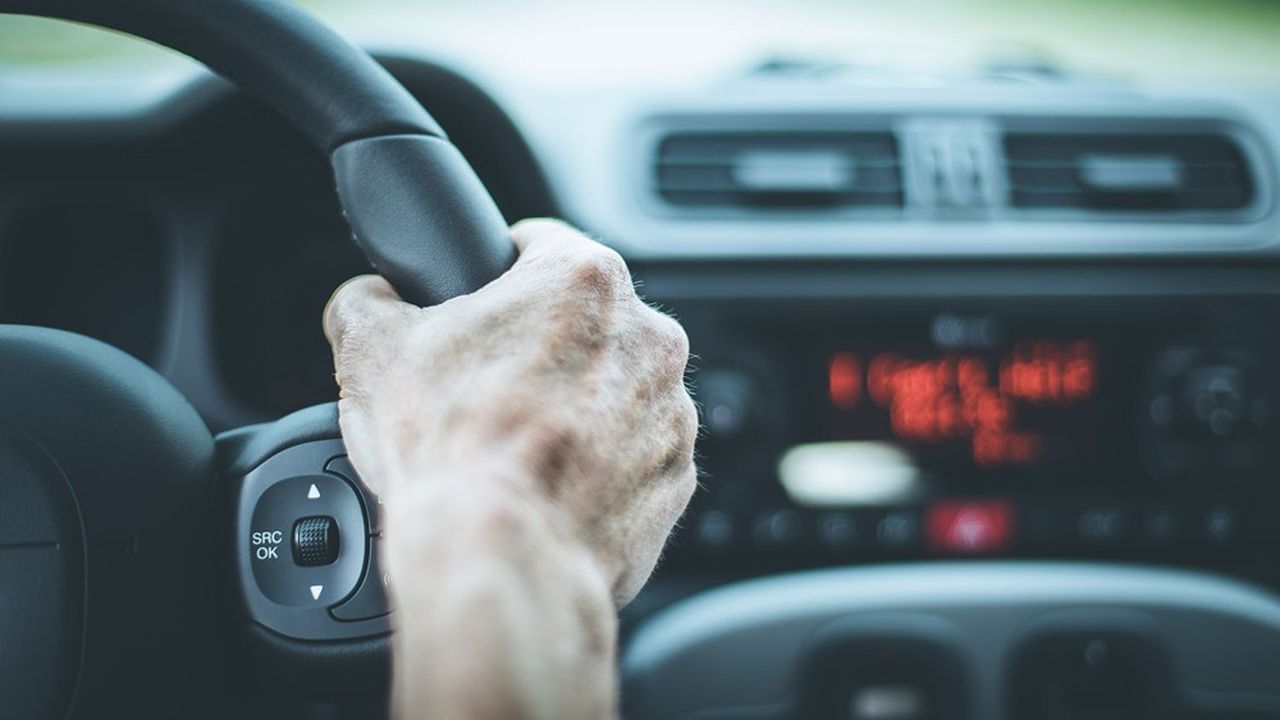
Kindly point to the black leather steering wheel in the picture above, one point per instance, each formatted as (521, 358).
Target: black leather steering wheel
(140, 558)
(418, 211)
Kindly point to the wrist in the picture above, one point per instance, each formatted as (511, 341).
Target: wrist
(436, 529)
(494, 595)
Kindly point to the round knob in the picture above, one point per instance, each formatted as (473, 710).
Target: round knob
(1216, 396)
(729, 400)
(1204, 413)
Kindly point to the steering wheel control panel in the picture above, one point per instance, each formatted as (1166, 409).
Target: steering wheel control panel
(1044, 428)
(307, 543)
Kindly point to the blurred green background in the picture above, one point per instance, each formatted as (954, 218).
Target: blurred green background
(1196, 42)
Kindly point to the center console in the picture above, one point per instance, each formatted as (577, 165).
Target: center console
(847, 421)
(972, 492)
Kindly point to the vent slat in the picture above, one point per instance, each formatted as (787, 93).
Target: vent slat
(779, 170)
(722, 162)
(1158, 172)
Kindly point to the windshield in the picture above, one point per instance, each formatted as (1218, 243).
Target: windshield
(675, 42)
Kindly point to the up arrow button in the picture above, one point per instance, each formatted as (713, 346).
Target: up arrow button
(313, 493)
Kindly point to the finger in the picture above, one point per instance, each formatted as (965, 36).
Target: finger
(537, 235)
(359, 302)
(551, 249)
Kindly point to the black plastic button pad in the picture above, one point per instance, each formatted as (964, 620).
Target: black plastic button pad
(281, 578)
(277, 591)
(370, 599)
(372, 503)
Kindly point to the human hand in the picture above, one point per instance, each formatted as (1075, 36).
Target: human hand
(556, 377)
(541, 422)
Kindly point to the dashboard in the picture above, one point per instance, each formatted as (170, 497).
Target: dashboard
(942, 380)
(985, 323)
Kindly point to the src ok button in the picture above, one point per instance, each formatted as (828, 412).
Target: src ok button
(308, 541)
(315, 541)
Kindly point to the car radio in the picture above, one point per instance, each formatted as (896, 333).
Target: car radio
(1044, 428)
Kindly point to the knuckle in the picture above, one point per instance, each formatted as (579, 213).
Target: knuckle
(669, 343)
(678, 479)
(674, 339)
(687, 484)
(684, 422)
(689, 412)
(599, 271)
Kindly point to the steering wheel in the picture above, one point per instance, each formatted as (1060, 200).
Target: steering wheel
(139, 556)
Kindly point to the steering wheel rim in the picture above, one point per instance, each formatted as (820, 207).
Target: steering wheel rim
(416, 207)
(108, 473)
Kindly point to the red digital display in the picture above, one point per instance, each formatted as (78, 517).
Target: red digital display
(976, 399)
(844, 381)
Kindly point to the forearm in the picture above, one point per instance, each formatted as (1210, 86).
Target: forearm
(501, 612)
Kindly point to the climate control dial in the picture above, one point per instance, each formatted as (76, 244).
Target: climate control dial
(1204, 416)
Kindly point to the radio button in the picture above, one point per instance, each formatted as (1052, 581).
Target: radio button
(778, 529)
(837, 531)
(1102, 527)
(899, 530)
(1162, 527)
(970, 527)
(729, 401)
(1221, 526)
(715, 531)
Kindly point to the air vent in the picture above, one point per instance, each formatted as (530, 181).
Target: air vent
(1154, 172)
(852, 171)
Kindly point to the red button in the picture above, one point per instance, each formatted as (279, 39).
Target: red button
(971, 527)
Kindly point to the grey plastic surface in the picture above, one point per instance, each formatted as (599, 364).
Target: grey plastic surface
(984, 132)
(597, 162)
(139, 462)
(604, 175)
(732, 652)
(41, 582)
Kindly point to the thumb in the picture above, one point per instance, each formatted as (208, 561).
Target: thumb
(362, 301)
